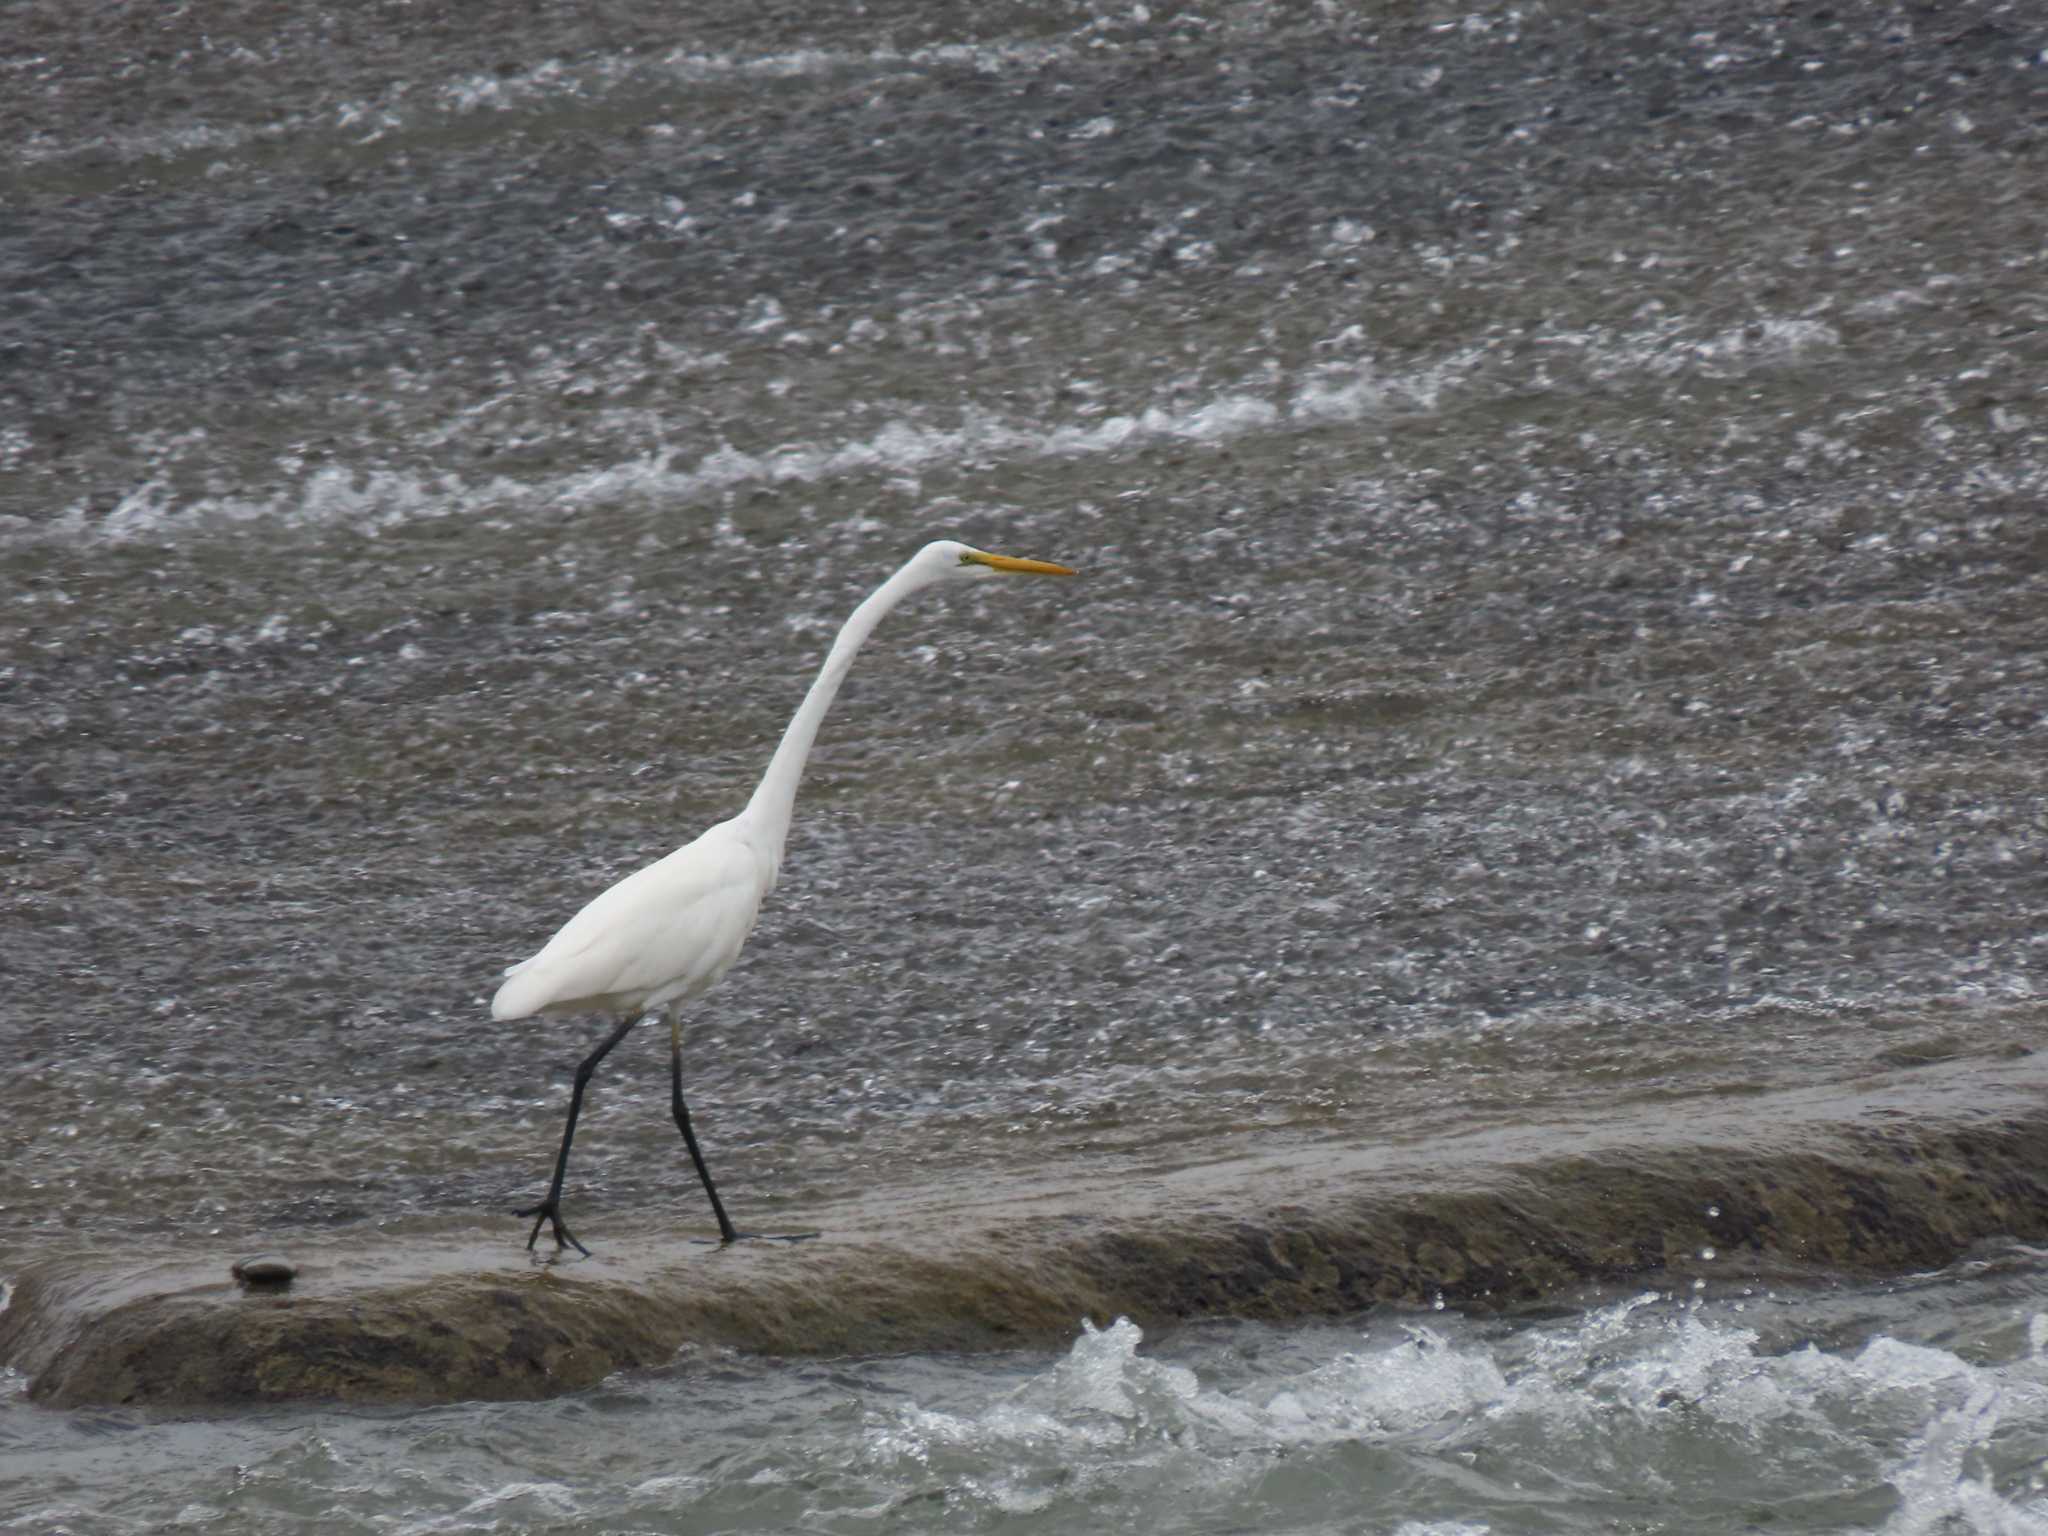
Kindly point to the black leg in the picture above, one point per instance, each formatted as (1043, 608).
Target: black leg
(550, 1209)
(682, 1114)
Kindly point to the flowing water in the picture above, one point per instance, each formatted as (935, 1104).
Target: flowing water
(1563, 634)
(1917, 1406)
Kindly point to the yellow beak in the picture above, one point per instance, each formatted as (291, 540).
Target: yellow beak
(1012, 563)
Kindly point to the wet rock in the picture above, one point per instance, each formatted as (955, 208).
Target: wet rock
(1764, 1189)
(265, 1271)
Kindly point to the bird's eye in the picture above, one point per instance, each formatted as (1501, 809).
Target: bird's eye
(965, 558)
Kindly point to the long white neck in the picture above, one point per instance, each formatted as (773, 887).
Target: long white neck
(774, 800)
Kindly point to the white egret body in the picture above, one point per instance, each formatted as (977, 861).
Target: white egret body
(662, 935)
(669, 932)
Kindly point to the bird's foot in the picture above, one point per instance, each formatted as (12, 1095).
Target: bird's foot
(758, 1237)
(549, 1212)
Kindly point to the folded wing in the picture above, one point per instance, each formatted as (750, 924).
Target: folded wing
(663, 933)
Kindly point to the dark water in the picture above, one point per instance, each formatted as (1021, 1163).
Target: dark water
(1560, 495)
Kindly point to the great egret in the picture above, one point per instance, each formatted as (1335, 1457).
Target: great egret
(669, 932)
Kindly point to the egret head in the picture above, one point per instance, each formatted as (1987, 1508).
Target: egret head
(949, 559)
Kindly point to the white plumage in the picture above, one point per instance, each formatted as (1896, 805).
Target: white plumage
(662, 935)
(670, 932)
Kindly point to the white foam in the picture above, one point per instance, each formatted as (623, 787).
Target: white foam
(1938, 1479)
(1669, 345)
(374, 498)
(1324, 394)
(1633, 1381)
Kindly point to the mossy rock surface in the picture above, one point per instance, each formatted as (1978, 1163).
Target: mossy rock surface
(1905, 1172)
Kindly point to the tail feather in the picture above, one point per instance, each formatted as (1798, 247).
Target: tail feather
(519, 994)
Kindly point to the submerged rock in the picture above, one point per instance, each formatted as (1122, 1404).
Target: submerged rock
(1902, 1173)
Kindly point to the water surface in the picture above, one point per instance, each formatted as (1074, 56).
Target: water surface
(1560, 497)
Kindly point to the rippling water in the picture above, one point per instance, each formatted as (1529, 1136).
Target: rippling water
(1563, 634)
(1916, 1406)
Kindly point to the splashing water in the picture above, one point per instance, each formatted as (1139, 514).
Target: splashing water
(1920, 1406)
